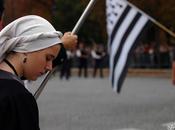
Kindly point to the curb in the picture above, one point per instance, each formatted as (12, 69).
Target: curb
(132, 72)
(150, 72)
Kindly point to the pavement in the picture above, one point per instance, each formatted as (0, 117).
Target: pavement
(145, 103)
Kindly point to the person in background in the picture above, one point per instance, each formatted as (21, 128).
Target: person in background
(1, 13)
(28, 47)
(66, 66)
(82, 54)
(173, 67)
(97, 54)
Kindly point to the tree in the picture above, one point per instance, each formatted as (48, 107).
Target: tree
(68, 12)
(18, 8)
(162, 11)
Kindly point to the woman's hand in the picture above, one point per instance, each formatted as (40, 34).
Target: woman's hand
(69, 40)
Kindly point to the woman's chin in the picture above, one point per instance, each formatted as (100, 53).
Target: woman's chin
(33, 78)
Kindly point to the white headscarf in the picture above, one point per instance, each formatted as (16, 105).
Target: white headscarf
(27, 34)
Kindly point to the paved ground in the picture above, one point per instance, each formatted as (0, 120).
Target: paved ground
(90, 104)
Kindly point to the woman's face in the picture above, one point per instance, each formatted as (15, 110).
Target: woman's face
(39, 62)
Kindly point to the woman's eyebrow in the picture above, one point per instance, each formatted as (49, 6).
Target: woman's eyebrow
(51, 56)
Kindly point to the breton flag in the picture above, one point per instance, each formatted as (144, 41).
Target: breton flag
(125, 25)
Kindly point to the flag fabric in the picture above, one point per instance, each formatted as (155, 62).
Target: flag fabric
(125, 25)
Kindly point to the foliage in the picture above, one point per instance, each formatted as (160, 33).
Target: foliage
(68, 12)
(161, 10)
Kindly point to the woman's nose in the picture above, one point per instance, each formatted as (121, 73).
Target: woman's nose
(49, 66)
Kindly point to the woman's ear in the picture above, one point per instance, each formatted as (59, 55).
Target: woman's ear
(25, 58)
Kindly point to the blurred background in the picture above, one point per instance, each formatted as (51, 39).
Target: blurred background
(155, 51)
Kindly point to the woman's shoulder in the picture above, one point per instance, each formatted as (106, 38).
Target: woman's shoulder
(4, 82)
(12, 90)
(10, 85)
(7, 75)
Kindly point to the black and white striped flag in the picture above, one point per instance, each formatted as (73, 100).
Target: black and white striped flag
(125, 25)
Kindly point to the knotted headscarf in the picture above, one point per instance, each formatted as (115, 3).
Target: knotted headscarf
(27, 34)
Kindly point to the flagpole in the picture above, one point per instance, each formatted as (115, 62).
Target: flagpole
(164, 28)
(74, 31)
(45, 80)
(154, 21)
(83, 16)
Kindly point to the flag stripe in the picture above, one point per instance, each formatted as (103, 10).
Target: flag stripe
(124, 72)
(127, 49)
(122, 29)
(117, 25)
(120, 49)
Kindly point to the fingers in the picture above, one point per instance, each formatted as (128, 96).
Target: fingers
(69, 40)
(67, 33)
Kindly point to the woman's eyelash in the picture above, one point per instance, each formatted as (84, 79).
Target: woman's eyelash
(48, 58)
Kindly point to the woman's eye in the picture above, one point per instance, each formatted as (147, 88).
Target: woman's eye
(48, 58)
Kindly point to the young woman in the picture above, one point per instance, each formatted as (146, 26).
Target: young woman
(28, 46)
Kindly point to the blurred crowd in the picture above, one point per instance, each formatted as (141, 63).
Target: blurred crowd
(152, 56)
(95, 56)
(85, 57)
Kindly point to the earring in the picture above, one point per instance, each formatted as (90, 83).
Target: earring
(25, 60)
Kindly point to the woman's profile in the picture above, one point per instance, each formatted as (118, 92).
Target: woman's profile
(28, 47)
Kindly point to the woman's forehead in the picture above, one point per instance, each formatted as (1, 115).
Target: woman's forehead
(53, 50)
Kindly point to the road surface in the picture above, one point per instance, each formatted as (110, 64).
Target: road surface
(145, 103)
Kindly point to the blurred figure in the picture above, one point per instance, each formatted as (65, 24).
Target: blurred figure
(66, 67)
(146, 55)
(97, 54)
(173, 67)
(151, 56)
(82, 54)
(1, 12)
(164, 56)
(138, 56)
